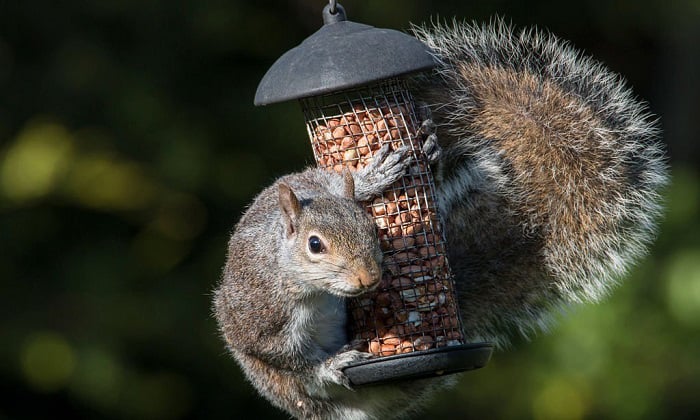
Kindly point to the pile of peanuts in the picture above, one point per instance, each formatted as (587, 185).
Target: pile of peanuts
(350, 140)
(414, 307)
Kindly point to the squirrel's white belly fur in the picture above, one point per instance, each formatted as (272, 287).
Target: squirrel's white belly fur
(319, 319)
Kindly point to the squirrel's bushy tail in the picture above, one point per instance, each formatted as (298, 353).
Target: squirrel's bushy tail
(557, 146)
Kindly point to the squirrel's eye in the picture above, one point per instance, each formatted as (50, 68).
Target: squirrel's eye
(315, 244)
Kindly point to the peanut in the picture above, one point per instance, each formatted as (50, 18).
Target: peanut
(387, 350)
(423, 343)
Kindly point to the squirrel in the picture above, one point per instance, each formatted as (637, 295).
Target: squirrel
(303, 246)
(548, 176)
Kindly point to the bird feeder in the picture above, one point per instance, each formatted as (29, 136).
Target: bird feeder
(351, 81)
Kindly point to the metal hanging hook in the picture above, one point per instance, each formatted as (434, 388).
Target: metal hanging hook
(333, 12)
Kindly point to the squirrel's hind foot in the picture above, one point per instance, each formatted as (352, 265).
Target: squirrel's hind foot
(332, 369)
(431, 147)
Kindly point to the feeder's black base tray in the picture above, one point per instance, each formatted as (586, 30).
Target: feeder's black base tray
(420, 364)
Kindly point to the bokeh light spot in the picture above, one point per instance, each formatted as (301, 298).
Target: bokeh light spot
(100, 181)
(559, 399)
(683, 287)
(48, 361)
(98, 378)
(35, 162)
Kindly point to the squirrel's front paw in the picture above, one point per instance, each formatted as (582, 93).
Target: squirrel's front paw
(387, 167)
(333, 367)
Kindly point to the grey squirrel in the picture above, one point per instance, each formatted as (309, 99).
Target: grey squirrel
(548, 175)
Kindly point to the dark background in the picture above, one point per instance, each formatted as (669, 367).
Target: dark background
(129, 147)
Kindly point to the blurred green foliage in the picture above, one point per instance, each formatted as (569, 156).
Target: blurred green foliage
(129, 147)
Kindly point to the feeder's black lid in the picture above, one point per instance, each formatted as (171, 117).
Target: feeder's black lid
(341, 55)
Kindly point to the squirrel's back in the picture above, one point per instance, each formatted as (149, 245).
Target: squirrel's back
(550, 176)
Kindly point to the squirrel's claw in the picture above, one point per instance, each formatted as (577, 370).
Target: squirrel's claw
(387, 167)
(333, 367)
(431, 147)
(393, 164)
(354, 344)
(427, 127)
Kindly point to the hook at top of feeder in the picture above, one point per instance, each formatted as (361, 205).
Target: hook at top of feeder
(342, 55)
(333, 13)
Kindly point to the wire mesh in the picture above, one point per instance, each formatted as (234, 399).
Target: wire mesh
(414, 307)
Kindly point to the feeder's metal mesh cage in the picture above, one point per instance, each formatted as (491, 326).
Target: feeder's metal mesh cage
(414, 307)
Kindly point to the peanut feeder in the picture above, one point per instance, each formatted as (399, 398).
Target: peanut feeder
(350, 80)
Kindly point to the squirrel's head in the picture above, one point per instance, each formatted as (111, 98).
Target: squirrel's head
(332, 241)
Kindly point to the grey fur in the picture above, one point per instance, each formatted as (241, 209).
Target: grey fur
(548, 175)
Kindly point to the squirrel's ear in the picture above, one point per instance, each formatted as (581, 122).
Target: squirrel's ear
(348, 184)
(290, 206)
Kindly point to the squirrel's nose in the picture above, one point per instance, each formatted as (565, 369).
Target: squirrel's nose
(365, 278)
